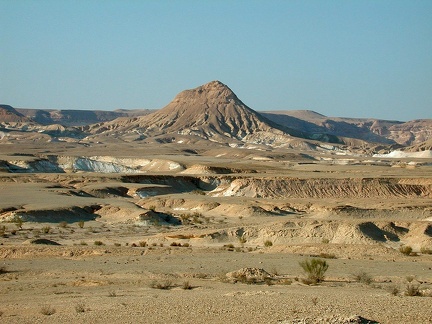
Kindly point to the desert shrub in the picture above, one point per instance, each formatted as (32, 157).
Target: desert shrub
(3, 270)
(18, 222)
(81, 224)
(426, 250)
(117, 244)
(229, 247)
(268, 243)
(63, 224)
(46, 229)
(175, 244)
(315, 270)
(98, 243)
(394, 290)
(412, 290)
(142, 243)
(327, 255)
(186, 245)
(314, 300)
(363, 277)
(186, 285)
(405, 249)
(83, 243)
(47, 310)
(325, 241)
(152, 208)
(165, 285)
(13, 232)
(80, 308)
(112, 293)
(410, 278)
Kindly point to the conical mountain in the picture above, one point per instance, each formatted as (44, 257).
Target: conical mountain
(211, 111)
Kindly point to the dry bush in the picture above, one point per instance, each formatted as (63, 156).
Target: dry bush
(81, 224)
(327, 255)
(47, 310)
(186, 285)
(164, 285)
(405, 249)
(315, 270)
(80, 308)
(63, 224)
(412, 290)
(363, 277)
(98, 243)
(142, 243)
(112, 293)
(394, 290)
(46, 229)
(426, 250)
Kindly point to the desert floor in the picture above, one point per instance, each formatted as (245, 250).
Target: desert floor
(123, 237)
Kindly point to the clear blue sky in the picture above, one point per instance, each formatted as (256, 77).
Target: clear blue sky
(340, 58)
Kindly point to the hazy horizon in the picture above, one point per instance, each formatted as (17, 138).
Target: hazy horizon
(364, 59)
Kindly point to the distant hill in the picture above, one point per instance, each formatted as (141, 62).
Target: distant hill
(211, 111)
(77, 117)
(9, 114)
(367, 129)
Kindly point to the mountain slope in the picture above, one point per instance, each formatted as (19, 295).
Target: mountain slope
(9, 114)
(367, 129)
(211, 111)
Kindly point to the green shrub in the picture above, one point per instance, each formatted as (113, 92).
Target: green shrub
(314, 269)
(268, 243)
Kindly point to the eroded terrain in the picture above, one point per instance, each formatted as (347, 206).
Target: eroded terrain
(185, 217)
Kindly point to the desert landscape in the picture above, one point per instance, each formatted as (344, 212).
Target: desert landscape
(209, 211)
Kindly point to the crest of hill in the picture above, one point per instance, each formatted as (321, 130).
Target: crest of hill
(211, 111)
(9, 114)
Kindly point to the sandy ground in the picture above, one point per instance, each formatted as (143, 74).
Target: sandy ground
(354, 214)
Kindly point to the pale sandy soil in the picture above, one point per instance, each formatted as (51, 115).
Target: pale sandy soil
(356, 211)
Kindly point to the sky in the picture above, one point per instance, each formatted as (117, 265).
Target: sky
(346, 58)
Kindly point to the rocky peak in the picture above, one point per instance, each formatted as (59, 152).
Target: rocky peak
(214, 91)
